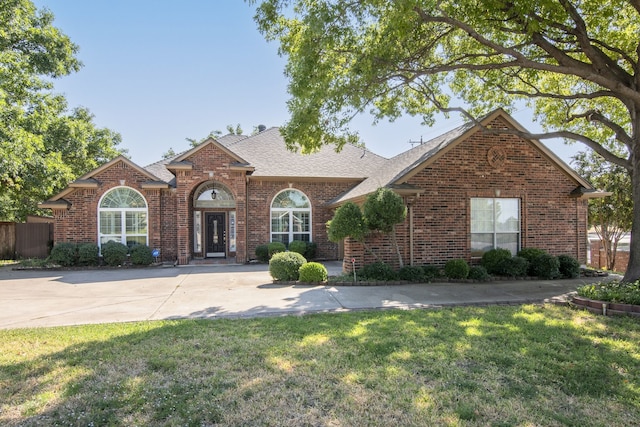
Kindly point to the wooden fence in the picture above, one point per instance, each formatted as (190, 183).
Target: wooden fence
(25, 240)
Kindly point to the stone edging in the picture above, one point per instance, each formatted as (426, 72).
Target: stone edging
(606, 308)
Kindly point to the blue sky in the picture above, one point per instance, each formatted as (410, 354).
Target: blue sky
(160, 71)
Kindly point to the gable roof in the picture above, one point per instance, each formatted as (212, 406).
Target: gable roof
(402, 167)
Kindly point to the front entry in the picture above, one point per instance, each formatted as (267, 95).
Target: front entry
(216, 235)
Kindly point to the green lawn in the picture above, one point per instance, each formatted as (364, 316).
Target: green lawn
(479, 366)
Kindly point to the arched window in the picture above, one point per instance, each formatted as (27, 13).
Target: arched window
(122, 217)
(290, 217)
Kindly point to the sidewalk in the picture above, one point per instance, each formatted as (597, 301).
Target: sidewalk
(56, 298)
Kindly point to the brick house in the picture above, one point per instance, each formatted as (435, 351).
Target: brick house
(466, 191)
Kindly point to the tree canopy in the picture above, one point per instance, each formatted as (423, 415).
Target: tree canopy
(575, 63)
(43, 145)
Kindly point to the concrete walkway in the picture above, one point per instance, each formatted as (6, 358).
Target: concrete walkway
(56, 298)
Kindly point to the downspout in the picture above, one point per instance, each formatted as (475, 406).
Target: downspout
(410, 205)
(246, 219)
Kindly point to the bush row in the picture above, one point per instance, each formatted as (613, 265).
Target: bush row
(497, 262)
(291, 266)
(306, 249)
(69, 254)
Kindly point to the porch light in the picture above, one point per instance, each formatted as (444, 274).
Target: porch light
(214, 194)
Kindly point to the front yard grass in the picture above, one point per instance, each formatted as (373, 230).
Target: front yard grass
(477, 366)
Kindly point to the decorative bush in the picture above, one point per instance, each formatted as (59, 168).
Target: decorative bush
(569, 267)
(141, 255)
(311, 251)
(313, 272)
(286, 265)
(64, 254)
(513, 267)
(275, 247)
(298, 246)
(377, 271)
(431, 272)
(546, 267)
(88, 254)
(456, 269)
(412, 273)
(479, 273)
(114, 253)
(491, 259)
(530, 254)
(262, 253)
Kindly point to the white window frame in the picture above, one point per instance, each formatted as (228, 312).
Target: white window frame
(290, 214)
(493, 230)
(123, 219)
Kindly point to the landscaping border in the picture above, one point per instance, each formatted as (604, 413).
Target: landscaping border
(606, 308)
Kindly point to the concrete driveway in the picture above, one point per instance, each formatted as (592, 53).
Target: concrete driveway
(55, 298)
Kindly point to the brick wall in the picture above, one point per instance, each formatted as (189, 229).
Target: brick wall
(599, 259)
(261, 194)
(550, 218)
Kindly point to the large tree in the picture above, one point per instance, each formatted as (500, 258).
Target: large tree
(575, 63)
(43, 145)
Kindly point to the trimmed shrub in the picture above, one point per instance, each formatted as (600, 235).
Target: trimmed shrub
(114, 253)
(546, 266)
(313, 272)
(431, 272)
(530, 254)
(298, 246)
(377, 271)
(262, 253)
(456, 269)
(479, 273)
(491, 259)
(88, 254)
(275, 247)
(569, 267)
(513, 267)
(64, 254)
(311, 251)
(286, 265)
(412, 273)
(141, 255)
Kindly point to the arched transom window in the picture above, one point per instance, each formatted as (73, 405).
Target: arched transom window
(290, 217)
(122, 217)
(213, 195)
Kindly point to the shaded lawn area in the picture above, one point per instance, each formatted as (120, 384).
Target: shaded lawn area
(485, 366)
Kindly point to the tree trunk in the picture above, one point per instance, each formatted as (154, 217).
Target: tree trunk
(394, 240)
(633, 268)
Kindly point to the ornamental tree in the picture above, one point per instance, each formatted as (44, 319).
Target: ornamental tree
(382, 211)
(575, 63)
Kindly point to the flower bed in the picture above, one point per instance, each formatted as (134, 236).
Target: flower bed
(610, 298)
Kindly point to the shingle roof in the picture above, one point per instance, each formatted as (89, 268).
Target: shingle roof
(267, 152)
(400, 165)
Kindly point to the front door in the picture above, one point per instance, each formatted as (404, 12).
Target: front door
(216, 234)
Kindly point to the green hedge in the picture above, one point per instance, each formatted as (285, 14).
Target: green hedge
(286, 265)
(114, 253)
(456, 269)
(491, 259)
(88, 254)
(262, 253)
(64, 254)
(275, 247)
(313, 272)
(141, 255)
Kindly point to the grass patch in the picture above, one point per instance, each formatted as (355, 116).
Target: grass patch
(479, 366)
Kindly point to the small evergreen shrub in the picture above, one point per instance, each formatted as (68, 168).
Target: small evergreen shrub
(377, 271)
(513, 267)
(298, 246)
(64, 254)
(286, 265)
(411, 273)
(491, 259)
(456, 269)
(262, 253)
(114, 253)
(530, 254)
(141, 255)
(313, 272)
(546, 266)
(311, 251)
(569, 267)
(479, 273)
(275, 247)
(431, 272)
(88, 254)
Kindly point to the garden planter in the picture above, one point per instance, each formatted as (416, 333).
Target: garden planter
(606, 308)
